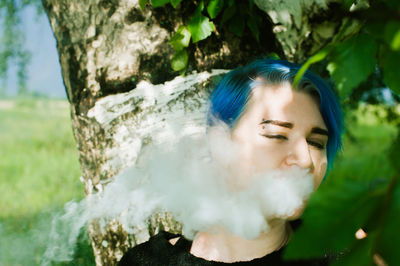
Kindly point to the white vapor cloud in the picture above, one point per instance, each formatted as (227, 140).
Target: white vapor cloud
(185, 179)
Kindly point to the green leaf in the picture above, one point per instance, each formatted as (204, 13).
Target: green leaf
(352, 62)
(237, 25)
(142, 4)
(179, 60)
(159, 3)
(347, 4)
(389, 61)
(312, 60)
(228, 14)
(394, 152)
(376, 29)
(214, 8)
(335, 212)
(253, 24)
(200, 26)
(251, 6)
(393, 4)
(273, 55)
(389, 240)
(392, 34)
(180, 39)
(200, 7)
(359, 254)
(175, 3)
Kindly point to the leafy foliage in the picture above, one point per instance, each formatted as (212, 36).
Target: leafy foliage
(352, 62)
(215, 7)
(343, 214)
(181, 39)
(142, 3)
(179, 60)
(389, 63)
(312, 60)
(235, 15)
(361, 192)
(158, 3)
(175, 3)
(387, 243)
(200, 26)
(366, 195)
(254, 23)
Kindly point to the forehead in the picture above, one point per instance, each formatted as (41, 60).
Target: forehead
(282, 102)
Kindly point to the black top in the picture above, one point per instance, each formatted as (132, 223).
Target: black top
(159, 251)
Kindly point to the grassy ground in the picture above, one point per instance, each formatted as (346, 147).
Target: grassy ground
(368, 138)
(39, 173)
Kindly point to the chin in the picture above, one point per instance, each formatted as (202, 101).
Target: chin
(297, 214)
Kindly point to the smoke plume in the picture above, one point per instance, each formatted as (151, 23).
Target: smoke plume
(187, 177)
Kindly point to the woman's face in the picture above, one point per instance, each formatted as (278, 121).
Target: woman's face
(280, 128)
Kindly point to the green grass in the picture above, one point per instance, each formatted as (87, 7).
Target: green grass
(39, 173)
(365, 145)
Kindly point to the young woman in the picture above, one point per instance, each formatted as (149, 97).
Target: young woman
(274, 127)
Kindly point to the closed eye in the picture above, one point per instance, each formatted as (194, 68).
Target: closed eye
(316, 144)
(274, 136)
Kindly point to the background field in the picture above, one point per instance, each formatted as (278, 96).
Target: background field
(39, 173)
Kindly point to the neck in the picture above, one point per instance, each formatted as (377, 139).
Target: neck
(223, 246)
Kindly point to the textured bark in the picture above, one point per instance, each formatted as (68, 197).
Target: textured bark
(115, 61)
(303, 27)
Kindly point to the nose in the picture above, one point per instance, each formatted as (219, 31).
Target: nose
(299, 154)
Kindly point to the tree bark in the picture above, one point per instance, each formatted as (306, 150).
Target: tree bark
(115, 61)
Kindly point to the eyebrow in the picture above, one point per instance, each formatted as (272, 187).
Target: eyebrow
(314, 130)
(277, 123)
(318, 130)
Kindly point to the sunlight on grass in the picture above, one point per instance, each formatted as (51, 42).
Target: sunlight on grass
(39, 173)
(39, 166)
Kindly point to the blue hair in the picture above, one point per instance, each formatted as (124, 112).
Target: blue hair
(230, 96)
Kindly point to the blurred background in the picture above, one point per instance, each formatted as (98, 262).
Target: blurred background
(39, 167)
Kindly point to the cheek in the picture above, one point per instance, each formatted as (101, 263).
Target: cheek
(261, 157)
(254, 156)
(321, 165)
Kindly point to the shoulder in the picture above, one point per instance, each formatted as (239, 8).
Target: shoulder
(156, 251)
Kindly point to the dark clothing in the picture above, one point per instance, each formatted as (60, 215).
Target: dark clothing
(158, 251)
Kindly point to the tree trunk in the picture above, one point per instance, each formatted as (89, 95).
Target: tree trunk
(115, 61)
